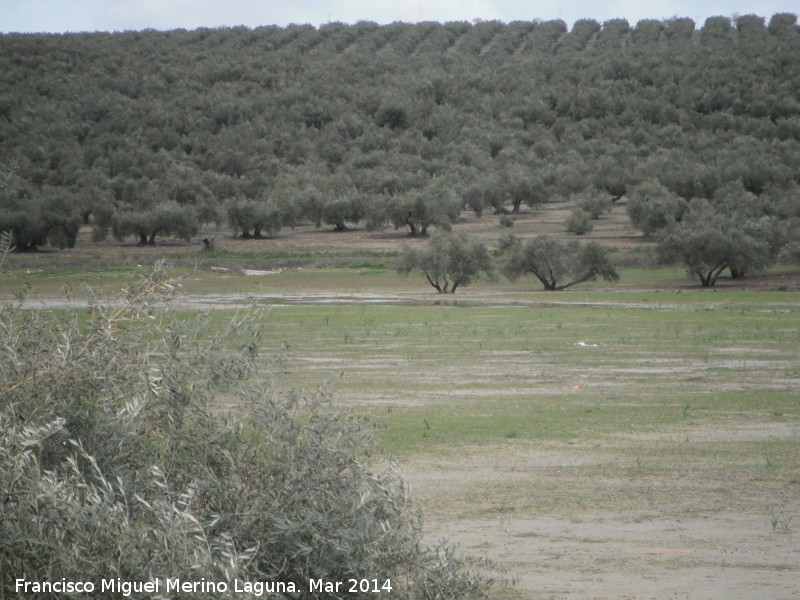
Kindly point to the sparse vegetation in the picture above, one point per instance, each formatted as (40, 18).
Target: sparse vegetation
(780, 522)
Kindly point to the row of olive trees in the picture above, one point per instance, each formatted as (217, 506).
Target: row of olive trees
(495, 38)
(734, 230)
(138, 210)
(417, 210)
(403, 200)
(706, 239)
(118, 462)
(453, 260)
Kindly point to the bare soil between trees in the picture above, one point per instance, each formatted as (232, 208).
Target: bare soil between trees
(640, 551)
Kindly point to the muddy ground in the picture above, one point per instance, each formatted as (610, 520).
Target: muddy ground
(647, 551)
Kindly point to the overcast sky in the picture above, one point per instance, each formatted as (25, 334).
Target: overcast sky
(119, 15)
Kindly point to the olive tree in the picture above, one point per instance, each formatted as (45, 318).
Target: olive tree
(167, 219)
(647, 31)
(38, 217)
(487, 191)
(449, 261)
(790, 253)
(708, 242)
(419, 209)
(783, 24)
(596, 203)
(716, 29)
(343, 209)
(579, 222)
(679, 29)
(521, 186)
(254, 218)
(651, 207)
(552, 261)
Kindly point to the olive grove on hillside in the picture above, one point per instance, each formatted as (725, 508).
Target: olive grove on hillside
(347, 124)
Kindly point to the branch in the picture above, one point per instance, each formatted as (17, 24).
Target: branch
(7, 243)
(715, 272)
(542, 279)
(10, 169)
(432, 282)
(585, 277)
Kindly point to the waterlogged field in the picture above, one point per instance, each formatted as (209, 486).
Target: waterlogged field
(549, 371)
(595, 445)
(598, 443)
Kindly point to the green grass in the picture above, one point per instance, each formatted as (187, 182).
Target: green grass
(502, 365)
(373, 272)
(438, 378)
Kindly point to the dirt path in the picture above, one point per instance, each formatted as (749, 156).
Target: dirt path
(604, 556)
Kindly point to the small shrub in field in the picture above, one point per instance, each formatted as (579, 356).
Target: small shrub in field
(116, 463)
(506, 221)
(579, 222)
(596, 204)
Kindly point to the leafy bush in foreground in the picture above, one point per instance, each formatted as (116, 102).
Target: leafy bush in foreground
(116, 462)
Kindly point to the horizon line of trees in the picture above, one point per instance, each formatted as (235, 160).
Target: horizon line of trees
(475, 35)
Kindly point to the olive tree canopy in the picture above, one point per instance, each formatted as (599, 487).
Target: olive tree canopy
(449, 261)
(552, 261)
(707, 242)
